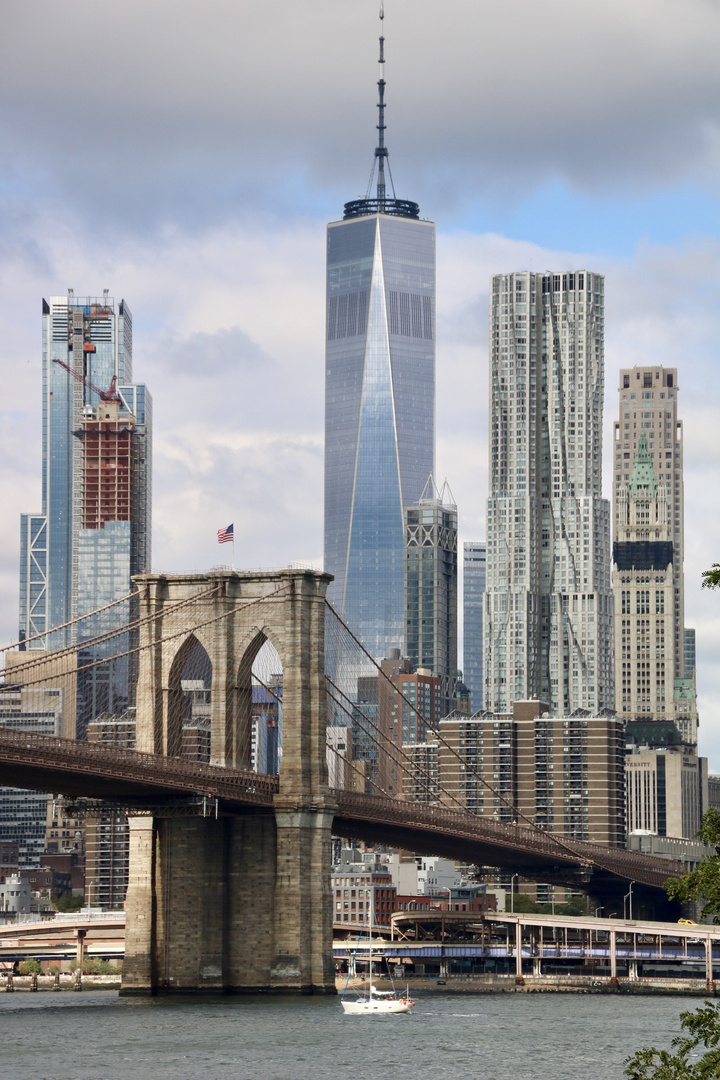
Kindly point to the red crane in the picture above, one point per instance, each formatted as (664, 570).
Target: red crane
(110, 394)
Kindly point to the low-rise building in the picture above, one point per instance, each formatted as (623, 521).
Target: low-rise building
(49, 881)
(9, 858)
(15, 894)
(363, 894)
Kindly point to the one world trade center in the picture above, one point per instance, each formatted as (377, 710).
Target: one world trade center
(379, 399)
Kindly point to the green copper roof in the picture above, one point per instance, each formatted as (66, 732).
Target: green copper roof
(643, 474)
(653, 733)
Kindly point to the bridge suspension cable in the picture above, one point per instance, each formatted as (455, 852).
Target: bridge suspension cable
(51, 656)
(347, 663)
(42, 657)
(340, 633)
(71, 622)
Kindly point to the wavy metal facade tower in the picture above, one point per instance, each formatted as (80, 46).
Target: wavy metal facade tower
(379, 399)
(548, 605)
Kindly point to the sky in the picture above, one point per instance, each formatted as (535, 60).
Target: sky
(187, 156)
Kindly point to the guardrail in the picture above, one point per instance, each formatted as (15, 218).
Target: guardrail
(182, 776)
(157, 773)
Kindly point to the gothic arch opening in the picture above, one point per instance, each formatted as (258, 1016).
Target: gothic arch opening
(260, 681)
(189, 702)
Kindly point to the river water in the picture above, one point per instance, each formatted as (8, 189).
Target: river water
(97, 1035)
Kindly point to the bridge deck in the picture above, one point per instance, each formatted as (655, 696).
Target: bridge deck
(140, 780)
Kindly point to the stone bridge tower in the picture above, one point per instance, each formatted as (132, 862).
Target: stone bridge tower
(237, 903)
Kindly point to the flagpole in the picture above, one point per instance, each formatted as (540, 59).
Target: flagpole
(233, 548)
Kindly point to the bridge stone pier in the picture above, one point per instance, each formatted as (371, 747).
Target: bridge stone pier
(241, 902)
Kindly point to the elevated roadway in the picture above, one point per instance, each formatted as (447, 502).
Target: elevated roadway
(145, 781)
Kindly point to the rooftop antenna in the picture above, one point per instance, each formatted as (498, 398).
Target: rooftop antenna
(382, 203)
(381, 151)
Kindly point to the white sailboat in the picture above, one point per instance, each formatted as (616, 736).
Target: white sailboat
(373, 1001)
(378, 1002)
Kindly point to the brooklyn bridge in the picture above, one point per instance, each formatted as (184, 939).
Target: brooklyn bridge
(230, 869)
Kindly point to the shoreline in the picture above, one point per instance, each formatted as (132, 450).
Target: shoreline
(460, 985)
(548, 984)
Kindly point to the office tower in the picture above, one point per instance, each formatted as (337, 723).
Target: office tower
(379, 399)
(548, 602)
(408, 708)
(93, 533)
(666, 782)
(365, 730)
(474, 570)
(650, 637)
(23, 813)
(565, 773)
(431, 588)
(107, 839)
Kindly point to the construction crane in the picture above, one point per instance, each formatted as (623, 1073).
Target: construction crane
(111, 394)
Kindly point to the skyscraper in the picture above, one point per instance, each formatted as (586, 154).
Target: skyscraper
(22, 813)
(474, 569)
(431, 588)
(548, 603)
(379, 399)
(654, 681)
(93, 532)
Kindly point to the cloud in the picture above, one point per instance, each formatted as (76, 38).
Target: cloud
(188, 157)
(161, 111)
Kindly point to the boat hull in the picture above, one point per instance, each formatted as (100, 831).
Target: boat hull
(376, 1008)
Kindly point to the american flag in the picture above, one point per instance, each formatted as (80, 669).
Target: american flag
(225, 534)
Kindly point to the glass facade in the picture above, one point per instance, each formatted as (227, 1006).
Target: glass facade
(474, 563)
(93, 533)
(431, 594)
(379, 413)
(23, 813)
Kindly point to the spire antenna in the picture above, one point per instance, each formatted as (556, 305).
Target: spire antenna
(382, 203)
(381, 150)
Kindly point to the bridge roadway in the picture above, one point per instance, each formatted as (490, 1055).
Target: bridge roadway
(147, 781)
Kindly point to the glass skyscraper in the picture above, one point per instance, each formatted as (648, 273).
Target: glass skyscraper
(93, 532)
(474, 567)
(379, 401)
(431, 574)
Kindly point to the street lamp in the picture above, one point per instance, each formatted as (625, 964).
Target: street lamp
(600, 908)
(628, 896)
(515, 877)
